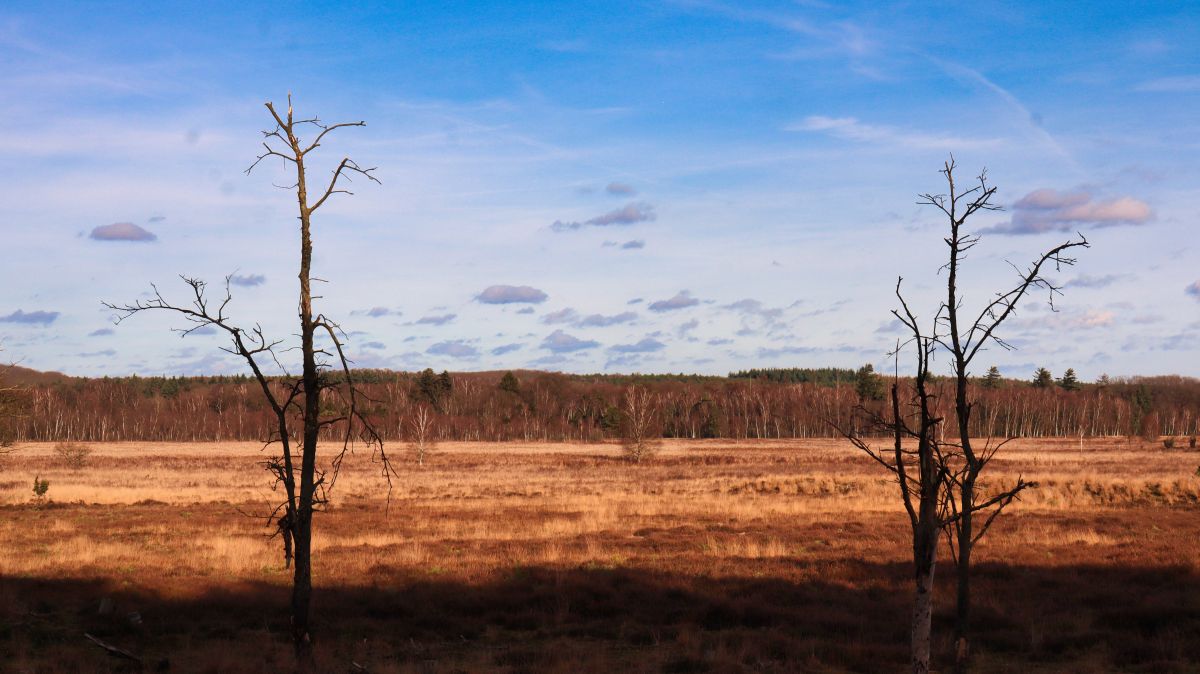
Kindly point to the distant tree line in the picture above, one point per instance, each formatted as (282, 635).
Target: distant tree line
(546, 406)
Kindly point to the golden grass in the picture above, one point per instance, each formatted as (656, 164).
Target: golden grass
(170, 521)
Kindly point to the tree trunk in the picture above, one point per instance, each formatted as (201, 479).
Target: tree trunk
(302, 583)
(925, 558)
(962, 618)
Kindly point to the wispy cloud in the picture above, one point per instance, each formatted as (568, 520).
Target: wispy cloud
(646, 345)
(634, 244)
(376, 312)
(436, 320)
(1088, 281)
(247, 280)
(620, 189)
(1174, 84)
(602, 321)
(569, 316)
(562, 316)
(102, 332)
(1026, 118)
(30, 317)
(850, 128)
(757, 317)
(628, 214)
(1193, 290)
(506, 348)
(457, 349)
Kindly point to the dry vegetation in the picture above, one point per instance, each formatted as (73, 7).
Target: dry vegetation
(713, 556)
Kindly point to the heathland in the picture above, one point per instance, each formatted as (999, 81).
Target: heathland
(715, 555)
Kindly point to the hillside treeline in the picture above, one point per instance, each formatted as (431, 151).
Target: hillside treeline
(543, 406)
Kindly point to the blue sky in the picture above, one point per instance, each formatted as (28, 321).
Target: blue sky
(631, 186)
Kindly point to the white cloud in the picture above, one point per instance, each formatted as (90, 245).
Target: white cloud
(1048, 210)
(501, 294)
(122, 231)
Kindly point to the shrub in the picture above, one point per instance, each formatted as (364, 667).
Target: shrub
(40, 487)
(1192, 442)
(1169, 443)
(73, 454)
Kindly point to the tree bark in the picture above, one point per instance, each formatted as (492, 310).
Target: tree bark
(925, 556)
(302, 579)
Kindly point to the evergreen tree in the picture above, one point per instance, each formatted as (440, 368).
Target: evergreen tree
(509, 383)
(992, 378)
(1042, 378)
(867, 383)
(1069, 381)
(445, 385)
(425, 389)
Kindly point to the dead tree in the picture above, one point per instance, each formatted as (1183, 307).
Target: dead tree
(640, 437)
(920, 473)
(324, 395)
(964, 338)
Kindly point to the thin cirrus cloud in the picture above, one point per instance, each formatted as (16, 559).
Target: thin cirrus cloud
(850, 128)
(247, 280)
(682, 300)
(30, 317)
(457, 349)
(1048, 210)
(629, 214)
(122, 231)
(560, 342)
(1088, 281)
(1173, 84)
(502, 294)
(102, 332)
(436, 320)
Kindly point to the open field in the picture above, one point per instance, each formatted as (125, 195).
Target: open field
(715, 556)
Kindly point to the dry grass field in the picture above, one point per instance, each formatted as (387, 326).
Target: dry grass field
(714, 556)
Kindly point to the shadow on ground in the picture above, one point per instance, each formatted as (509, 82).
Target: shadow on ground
(1089, 618)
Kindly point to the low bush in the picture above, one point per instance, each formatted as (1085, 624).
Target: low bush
(73, 454)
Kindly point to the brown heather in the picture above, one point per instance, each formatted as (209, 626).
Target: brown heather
(775, 556)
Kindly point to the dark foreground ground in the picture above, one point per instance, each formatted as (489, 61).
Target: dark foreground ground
(772, 557)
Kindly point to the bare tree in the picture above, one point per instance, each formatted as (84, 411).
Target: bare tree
(421, 425)
(964, 338)
(920, 473)
(319, 398)
(639, 423)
